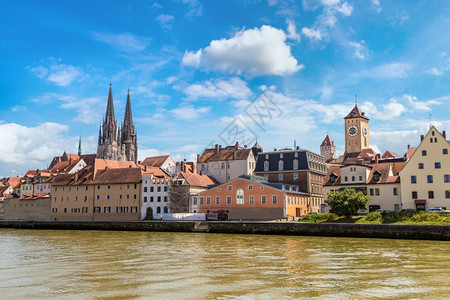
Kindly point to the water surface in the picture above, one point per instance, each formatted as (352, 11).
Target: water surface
(47, 264)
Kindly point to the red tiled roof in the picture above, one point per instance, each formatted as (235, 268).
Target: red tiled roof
(34, 196)
(389, 154)
(197, 179)
(155, 161)
(116, 176)
(327, 141)
(410, 152)
(366, 155)
(356, 113)
(157, 172)
(221, 154)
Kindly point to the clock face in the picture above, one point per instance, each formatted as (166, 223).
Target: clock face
(352, 130)
(365, 131)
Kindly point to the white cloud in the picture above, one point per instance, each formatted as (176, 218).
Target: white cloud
(388, 71)
(165, 21)
(31, 145)
(292, 31)
(359, 49)
(375, 5)
(254, 52)
(415, 104)
(125, 42)
(219, 89)
(388, 111)
(435, 71)
(189, 112)
(312, 33)
(195, 8)
(53, 71)
(333, 8)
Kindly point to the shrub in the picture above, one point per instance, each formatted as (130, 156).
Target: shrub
(424, 217)
(391, 217)
(311, 218)
(373, 217)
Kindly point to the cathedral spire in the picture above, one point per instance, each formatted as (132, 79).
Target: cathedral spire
(79, 147)
(110, 106)
(128, 119)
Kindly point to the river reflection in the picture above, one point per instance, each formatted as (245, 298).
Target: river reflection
(108, 264)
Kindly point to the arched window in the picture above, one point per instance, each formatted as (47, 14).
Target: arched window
(240, 196)
(280, 165)
(158, 210)
(266, 166)
(166, 209)
(295, 164)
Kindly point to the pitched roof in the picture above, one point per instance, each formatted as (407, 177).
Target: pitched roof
(197, 179)
(100, 164)
(389, 154)
(356, 113)
(410, 152)
(222, 154)
(156, 172)
(366, 155)
(34, 196)
(120, 175)
(327, 141)
(288, 161)
(383, 169)
(155, 161)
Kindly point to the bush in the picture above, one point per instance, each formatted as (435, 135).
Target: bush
(391, 217)
(311, 218)
(425, 217)
(374, 217)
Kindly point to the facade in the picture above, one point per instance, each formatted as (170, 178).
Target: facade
(155, 193)
(225, 164)
(426, 175)
(42, 183)
(302, 168)
(356, 131)
(35, 207)
(26, 186)
(328, 149)
(252, 197)
(165, 162)
(184, 189)
(379, 181)
(103, 191)
(117, 143)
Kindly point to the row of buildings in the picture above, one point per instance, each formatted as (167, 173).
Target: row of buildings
(246, 183)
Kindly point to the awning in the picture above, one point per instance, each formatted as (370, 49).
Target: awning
(420, 201)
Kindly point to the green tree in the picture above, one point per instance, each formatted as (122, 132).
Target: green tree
(347, 202)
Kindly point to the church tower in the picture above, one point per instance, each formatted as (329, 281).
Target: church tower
(356, 131)
(328, 149)
(117, 143)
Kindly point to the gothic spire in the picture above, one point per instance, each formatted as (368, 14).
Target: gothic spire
(79, 147)
(128, 119)
(110, 107)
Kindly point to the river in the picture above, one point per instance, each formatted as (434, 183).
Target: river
(47, 264)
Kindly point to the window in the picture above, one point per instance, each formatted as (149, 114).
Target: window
(413, 179)
(420, 165)
(446, 178)
(346, 178)
(96, 209)
(267, 156)
(280, 165)
(228, 200)
(444, 151)
(134, 209)
(429, 178)
(158, 210)
(208, 200)
(252, 200)
(203, 167)
(159, 189)
(432, 133)
(128, 186)
(395, 191)
(280, 177)
(151, 198)
(281, 155)
(135, 186)
(295, 176)
(85, 198)
(295, 164)
(360, 178)
(447, 194)
(54, 209)
(377, 192)
(165, 198)
(98, 187)
(376, 176)
(159, 198)
(437, 165)
(86, 188)
(107, 209)
(263, 199)
(222, 166)
(240, 196)
(119, 209)
(120, 197)
(424, 152)
(332, 178)
(145, 189)
(250, 187)
(109, 187)
(152, 189)
(229, 188)
(371, 192)
(431, 194)
(353, 178)
(98, 197)
(217, 200)
(165, 188)
(166, 209)
(195, 200)
(274, 199)
(76, 198)
(431, 140)
(128, 197)
(201, 200)
(108, 197)
(228, 176)
(145, 198)
(414, 195)
(84, 210)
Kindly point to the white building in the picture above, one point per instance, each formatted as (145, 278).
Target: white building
(155, 193)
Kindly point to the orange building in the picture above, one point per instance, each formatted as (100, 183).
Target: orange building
(252, 197)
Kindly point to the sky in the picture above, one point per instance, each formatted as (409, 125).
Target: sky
(201, 73)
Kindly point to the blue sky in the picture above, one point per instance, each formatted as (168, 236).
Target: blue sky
(193, 69)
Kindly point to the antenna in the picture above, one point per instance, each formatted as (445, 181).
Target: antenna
(356, 100)
(429, 118)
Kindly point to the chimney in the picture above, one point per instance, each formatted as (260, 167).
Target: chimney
(377, 158)
(194, 167)
(409, 146)
(139, 162)
(201, 172)
(198, 157)
(183, 166)
(237, 145)
(217, 148)
(444, 134)
(421, 137)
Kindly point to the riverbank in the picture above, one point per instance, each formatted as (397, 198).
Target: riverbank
(416, 232)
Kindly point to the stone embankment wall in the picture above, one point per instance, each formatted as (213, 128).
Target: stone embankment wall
(418, 232)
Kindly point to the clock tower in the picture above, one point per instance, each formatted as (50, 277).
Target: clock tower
(356, 131)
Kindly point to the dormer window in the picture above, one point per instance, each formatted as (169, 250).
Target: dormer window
(266, 166)
(295, 164)
(281, 155)
(267, 156)
(376, 176)
(280, 165)
(332, 178)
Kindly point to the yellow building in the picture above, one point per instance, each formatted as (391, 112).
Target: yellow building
(425, 179)
(356, 131)
(109, 194)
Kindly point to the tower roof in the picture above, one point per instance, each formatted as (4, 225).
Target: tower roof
(327, 141)
(110, 106)
(128, 119)
(356, 113)
(256, 146)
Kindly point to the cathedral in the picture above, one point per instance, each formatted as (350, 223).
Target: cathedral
(117, 143)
